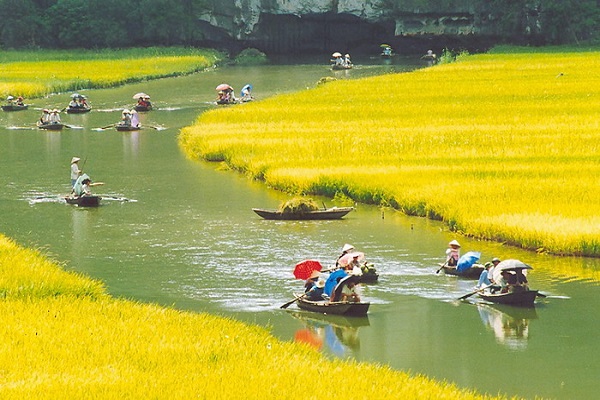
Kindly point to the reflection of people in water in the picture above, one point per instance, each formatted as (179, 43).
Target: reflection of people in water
(510, 331)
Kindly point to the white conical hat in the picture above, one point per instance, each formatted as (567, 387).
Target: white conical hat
(347, 247)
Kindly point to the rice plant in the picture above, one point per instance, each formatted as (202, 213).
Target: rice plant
(502, 146)
(63, 337)
(39, 73)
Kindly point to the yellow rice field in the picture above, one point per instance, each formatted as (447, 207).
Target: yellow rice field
(23, 74)
(63, 337)
(501, 146)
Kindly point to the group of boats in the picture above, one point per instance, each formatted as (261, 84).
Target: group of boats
(50, 119)
(500, 282)
(350, 269)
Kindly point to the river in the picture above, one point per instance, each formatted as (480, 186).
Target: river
(181, 233)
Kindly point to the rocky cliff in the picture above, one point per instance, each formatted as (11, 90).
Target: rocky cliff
(283, 26)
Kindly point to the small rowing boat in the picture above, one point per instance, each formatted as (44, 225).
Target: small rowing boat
(471, 273)
(83, 201)
(329, 213)
(14, 107)
(142, 108)
(125, 128)
(335, 308)
(51, 126)
(523, 298)
(78, 110)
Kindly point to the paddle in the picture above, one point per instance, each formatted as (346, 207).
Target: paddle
(286, 305)
(108, 126)
(472, 293)
(442, 267)
(538, 294)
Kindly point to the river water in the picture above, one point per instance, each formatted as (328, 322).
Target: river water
(181, 233)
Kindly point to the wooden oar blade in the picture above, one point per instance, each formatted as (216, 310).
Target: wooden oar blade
(289, 303)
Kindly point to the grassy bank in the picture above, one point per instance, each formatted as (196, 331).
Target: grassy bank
(502, 146)
(64, 337)
(39, 73)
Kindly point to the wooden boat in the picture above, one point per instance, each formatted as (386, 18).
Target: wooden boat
(335, 308)
(523, 298)
(471, 273)
(52, 126)
(369, 277)
(226, 102)
(84, 201)
(14, 107)
(138, 107)
(338, 67)
(329, 213)
(78, 110)
(125, 128)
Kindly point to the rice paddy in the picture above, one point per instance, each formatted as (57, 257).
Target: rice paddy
(501, 146)
(39, 73)
(64, 337)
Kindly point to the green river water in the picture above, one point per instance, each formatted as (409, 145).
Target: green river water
(181, 233)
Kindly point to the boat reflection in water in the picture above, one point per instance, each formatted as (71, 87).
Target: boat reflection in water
(330, 333)
(509, 324)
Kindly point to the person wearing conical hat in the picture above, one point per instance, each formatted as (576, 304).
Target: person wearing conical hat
(453, 253)
(345, 250)
(311, 281)
(75, 171)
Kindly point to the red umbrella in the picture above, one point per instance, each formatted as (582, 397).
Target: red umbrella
(305, 268)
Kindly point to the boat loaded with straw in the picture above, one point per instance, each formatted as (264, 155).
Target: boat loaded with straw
(301, 208)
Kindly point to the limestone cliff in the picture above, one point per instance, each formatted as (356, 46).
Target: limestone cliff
(322, 25)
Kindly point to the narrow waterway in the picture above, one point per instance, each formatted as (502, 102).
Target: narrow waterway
(181, 233)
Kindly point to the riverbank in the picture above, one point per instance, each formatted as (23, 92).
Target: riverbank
(64, 337)
(34, 74)
(500, 146)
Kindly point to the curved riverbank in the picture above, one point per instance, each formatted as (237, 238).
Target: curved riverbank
(500, 146)
(66, 338)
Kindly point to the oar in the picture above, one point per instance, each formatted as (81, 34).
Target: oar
(286, 305)
(472, 293)
(441, 267)
(108, 126)
(538, 294)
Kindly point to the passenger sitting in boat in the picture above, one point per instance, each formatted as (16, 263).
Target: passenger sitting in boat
(144, 102)
(347, 61)
(125, 118)
(316, 292)
(82, 186)
(311, 281)
(45, 118)
(484, 277)
(495, 261)
(20, 101)
(54, 117)
(74, 103)
(521, 280)
(345, 250)
(349, 293)
(507, 282)
(452, 254)
(10, 101)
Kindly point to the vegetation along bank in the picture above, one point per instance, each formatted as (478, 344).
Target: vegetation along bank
(65, 337)
(501, 146)
(38, 73)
